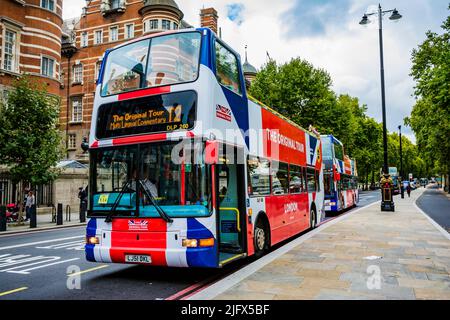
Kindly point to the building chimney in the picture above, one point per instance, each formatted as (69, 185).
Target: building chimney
(209, 18)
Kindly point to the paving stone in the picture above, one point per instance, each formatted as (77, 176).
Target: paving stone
(415, 261)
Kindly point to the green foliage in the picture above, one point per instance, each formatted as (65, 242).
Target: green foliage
(30, 142)
(303, 94)
(430, 118)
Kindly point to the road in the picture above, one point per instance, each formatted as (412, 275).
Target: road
(38, 266)
(436, 205)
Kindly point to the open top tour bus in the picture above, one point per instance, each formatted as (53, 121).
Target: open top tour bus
(185, 170)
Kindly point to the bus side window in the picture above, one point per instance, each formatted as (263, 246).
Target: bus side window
(227, 69)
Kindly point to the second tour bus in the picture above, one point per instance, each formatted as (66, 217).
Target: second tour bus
(340, 176)
(186, 170)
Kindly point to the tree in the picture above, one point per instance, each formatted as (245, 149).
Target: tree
(30, 142)
(297, 90)
(430, 117)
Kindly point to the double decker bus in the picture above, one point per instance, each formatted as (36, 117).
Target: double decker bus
(340, 176)
(185, 169)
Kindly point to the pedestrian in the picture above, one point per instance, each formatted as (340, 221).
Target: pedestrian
(408, 190)
(30, 202)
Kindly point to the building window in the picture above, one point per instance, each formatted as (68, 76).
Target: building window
(48, 4)
(154, 24)
(98, 66)
(129, 31)
(115, 4)
(78, 73)
(165, 24)
(113, 34)
(72, 141)
(47, 67)
(84, 39)
(98, 39)
(175, 26)
(9, 56)
(77, 109)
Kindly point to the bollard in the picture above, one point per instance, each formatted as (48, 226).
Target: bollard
(59, 215)
(33, 218)
(83, 206)
(2, 218)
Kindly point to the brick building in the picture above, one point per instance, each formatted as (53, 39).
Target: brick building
(103, 25)
(30, 42)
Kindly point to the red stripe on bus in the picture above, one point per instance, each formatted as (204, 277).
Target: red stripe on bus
(140, 139)
(144, 93)
(95, 144)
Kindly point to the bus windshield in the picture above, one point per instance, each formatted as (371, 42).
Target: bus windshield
(181, 188)
(165, 60)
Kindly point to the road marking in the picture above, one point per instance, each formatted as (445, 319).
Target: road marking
(88, 270)
(226, 283)
(12, 291)
(38, 242)
(21, 264)
(73, 245)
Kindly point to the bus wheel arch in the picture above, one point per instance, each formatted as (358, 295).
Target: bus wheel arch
(261, 234)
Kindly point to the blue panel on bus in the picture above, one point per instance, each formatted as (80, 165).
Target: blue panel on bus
(90, 232)
(200, 257)
(239, 106)
(205, 53)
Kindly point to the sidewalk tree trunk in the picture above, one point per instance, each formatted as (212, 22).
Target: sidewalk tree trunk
(30, 142)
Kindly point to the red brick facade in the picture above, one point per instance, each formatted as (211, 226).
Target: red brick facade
(30, 42)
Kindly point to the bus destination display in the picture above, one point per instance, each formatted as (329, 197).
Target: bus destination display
(163, 113)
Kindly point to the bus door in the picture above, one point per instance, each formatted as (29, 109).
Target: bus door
(231, 217)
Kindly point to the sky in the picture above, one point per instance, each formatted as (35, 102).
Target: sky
(327, 34)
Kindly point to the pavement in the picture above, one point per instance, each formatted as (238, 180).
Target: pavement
(43, 222)
(365, 254)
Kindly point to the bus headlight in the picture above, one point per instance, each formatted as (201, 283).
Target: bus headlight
(92, 240)
(190, 243)
(194, 243)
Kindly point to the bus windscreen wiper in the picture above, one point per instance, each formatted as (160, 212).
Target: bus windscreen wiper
(161, 212)
(116, 203)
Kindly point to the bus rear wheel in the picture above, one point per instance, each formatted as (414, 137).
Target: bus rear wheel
(261, 239)
(313, 215)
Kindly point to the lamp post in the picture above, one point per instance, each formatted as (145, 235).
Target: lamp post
(401, 163)
(386, 204)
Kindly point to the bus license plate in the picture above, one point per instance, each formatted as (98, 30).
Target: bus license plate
(134, 258)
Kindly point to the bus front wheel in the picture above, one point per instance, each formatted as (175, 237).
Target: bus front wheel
(261, 238)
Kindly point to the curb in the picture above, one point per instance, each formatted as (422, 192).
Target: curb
(37, 230)
(226, 283)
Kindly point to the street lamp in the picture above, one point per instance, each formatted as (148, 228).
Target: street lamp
(365, 20)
